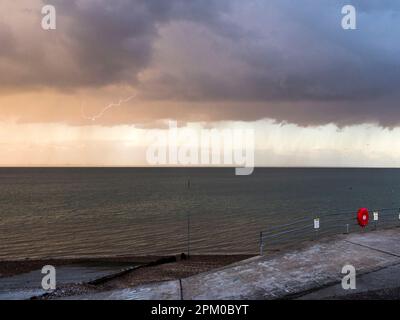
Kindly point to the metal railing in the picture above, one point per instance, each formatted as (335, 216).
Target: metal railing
(327, 224)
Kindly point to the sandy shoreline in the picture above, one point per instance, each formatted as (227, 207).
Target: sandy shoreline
(15, 267)
(148, 270)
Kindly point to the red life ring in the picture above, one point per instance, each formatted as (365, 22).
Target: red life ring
(363, 217)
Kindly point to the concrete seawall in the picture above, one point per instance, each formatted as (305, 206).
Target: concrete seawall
(303, 272)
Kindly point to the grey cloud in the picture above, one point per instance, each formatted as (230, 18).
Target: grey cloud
(320, 65)
(299, 65)
(106, 42)
(275, 59)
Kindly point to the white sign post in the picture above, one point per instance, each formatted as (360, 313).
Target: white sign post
(376, 218)
(316, 226)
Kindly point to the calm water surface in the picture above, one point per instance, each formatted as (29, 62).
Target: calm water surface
(57, 212)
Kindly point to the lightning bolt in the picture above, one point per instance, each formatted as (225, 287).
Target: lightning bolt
(105, 109)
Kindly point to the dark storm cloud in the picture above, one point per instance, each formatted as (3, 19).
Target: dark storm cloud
(309, 57)
(106, 42)
(275, 59)
(113, 39)
(297, 64)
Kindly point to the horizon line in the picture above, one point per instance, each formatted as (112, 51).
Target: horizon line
(194, 167)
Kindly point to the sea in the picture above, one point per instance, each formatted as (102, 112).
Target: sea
(94, 212)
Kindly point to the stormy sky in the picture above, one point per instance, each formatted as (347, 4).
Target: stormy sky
(210, 61)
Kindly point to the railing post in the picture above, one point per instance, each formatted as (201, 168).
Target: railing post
(261, 244)
(188, 225)
(347, 228)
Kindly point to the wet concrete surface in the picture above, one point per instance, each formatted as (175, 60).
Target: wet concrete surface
(386, 241)
(384, 279)
(286, 274)
(28, 285)
(375, 255)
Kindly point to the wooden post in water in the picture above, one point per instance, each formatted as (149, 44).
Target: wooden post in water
(188, 224)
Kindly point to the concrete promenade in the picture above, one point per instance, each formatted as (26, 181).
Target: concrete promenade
(312, 271)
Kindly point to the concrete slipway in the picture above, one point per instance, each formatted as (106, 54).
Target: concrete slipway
(313, 271)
